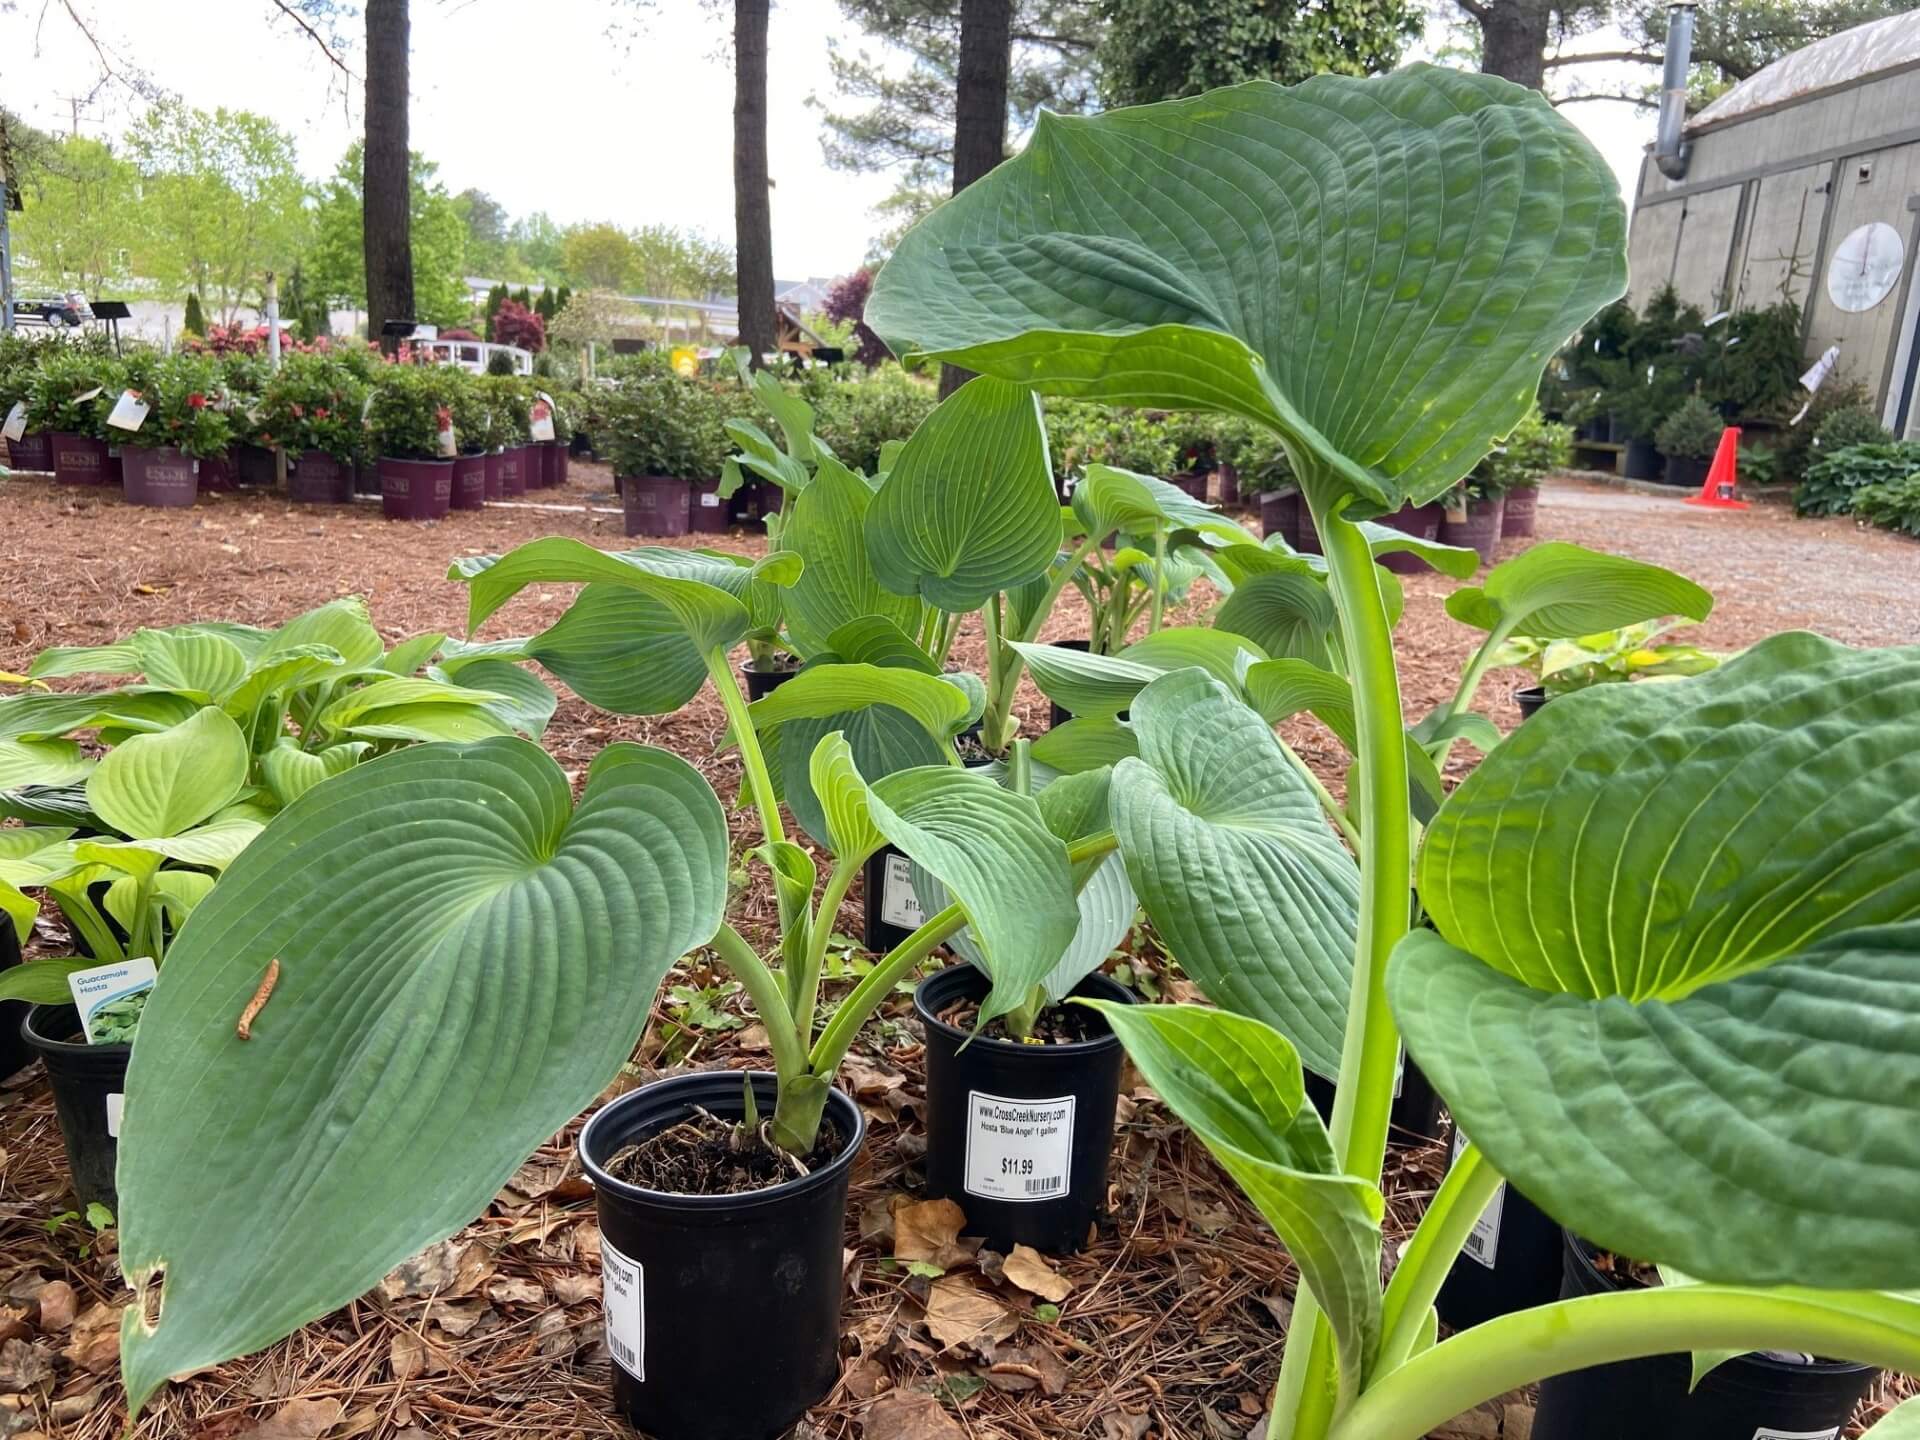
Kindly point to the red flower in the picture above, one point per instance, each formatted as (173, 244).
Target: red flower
(197, 401)
(299, 412)
(319, 413)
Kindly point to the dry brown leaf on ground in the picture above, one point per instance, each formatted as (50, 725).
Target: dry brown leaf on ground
(1027, 1268)
(24, 1366)
(297, 1420)
(1028, 1367)
(94, 1345)
(576, 1289)
(960, 1313)
(410, 1355)
(867, 1081)
(458, 1317)
(57, 1305)
(511, 1291)
(930, 1232)
(1118, 1425)
(449, 1270)
(911, 1415)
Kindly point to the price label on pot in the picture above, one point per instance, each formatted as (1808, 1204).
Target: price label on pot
(711, 501)
(1018, 1149)
(1483, 1244)
(623, 1296)
(898, 904)
(116, 1104)
(1766, 1433)
(16, 425)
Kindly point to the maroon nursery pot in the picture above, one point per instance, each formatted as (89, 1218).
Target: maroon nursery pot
(490, 475)
(1280, 512)
(656, 504)
(163, 476)
(553, 464)
(513, 472)
(1194, 482)
(1420, 521)
(316, 478)
(469, 490)
(1523, 504)
(1477, 527)
(217, 473)
(709, 511)
(1229, 484)
(254, 464)
(79, 459)
(415, 489)
(31, 452)
(561, 455)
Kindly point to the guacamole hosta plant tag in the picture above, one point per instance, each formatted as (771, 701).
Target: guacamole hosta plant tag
(110, 998)
(1018, 1149)
(623, 1287)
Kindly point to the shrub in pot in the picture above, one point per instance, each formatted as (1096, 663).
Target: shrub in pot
(20, 357)
(511, 405)
(664, 434)
(1688, 437)
(68, 399)
(477, 424)
(185, 427)
(1534, 448)
(1568, 982)
(411, 420)
(313, 408)
(1470, 518)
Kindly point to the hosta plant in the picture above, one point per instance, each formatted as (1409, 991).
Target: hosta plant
(1669, 986)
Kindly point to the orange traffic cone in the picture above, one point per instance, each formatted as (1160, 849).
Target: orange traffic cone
(1717, 492)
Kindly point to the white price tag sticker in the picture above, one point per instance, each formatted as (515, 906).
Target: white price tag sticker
(709, 501)
(1018, 1149)
(623, 1297)
(898, 904)
(116, 1106)
(16, 426)
(1483, 1243)
(1768, 1433)
(129, 411)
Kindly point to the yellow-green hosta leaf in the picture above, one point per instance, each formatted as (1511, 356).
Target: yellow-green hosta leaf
(1226, 845)
(289, 772)
(177, 892)
(455, 937)
(1900, 1423)
(1091, 686)
(1556, 590)
(842, 795)
(197, 662)
(1287, 616)
(1238, 1084)
(521, 702)
(153, 786)
(340, 625)
(396, 692)
(1109, 500)
(1084, 743)
(621, 650)
(41, 762)
(969, 508)
(1377, 269)
(821, 691)
(63, 660)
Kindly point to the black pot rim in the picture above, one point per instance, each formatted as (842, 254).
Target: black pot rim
(1532, 692)
(846, 1113)
(49, 1045)
(1581, 1251)
(747, 667)
(1095, 1046)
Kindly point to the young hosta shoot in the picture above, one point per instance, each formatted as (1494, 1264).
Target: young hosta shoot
(1672, 988)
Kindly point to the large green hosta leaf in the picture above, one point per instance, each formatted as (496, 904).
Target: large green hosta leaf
(968, 509)
(826, 525)
(1680, 977)
(1556, 589)
(1228, 850)
(1377, 269)
(1238, 1084)
(465, 960)
(154, 786)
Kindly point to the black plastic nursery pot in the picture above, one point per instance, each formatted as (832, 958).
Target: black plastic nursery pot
(1522, 508)
(80, 459)
(415, 489)
(1511, 1260)
(253, 465)
(366, 477)
(892, 911)
(1531, 700)
(217, 473)
(688, 1280)
(656, 505)
(1687, 470)
(1018, 1136)
(469, 488)
(1229, 485)
(1642, 460)
(1415, 1117)
(31, 452)
(14, 1054)
(1057, 715)
(762, 683)
(89, 1085)
(1476, 527)
(162, 476)
(1764, 1396)
(317, 478)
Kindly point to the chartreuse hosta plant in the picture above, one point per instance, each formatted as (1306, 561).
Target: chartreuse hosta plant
(456, 938)
(1671, 989)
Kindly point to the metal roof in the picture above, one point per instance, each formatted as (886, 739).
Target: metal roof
(1874, 48)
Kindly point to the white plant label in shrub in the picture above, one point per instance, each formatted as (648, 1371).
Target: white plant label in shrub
(540, 421)
(623, 1297)
(1018, 1149)
(129, 411)
(16, 425)
(898, 904)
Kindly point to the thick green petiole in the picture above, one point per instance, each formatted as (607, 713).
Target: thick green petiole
(1443, 1230)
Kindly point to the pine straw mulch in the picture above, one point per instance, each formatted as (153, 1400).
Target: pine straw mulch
(1168, 1325)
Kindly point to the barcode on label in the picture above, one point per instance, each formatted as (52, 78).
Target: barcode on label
(623, 1352)
(1046, 1185)
(623, 1296)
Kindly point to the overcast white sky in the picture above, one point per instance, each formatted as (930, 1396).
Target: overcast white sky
(533, 103)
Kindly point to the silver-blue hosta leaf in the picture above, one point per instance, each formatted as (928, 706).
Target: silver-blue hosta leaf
(1238, 1084)
(969, 508)
(1231, 855)
(1680, 972)
(826, 525)
(1377, 269)
(1094, 686)
(456, 939)
(622, 651)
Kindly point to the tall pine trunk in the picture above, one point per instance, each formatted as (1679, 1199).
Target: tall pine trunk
(752, 205)
(980, 109)
(1513, 41)
(385, 183)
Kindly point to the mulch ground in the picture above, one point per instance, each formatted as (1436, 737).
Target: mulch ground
(1168, 1325)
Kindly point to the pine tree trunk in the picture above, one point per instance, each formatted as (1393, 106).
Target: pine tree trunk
(752, 205)
(1513, 41)
(979, 110)
(385, 185)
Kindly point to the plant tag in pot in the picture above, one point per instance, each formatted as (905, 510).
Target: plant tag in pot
(1018, 1149)
(1457, 508)
(443, 417)
(92, 394)
(110, 998)
(623, 1290)
(129, 411)
(540, 424)
(899, 906)
(16, 425)
(1483, 1243)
